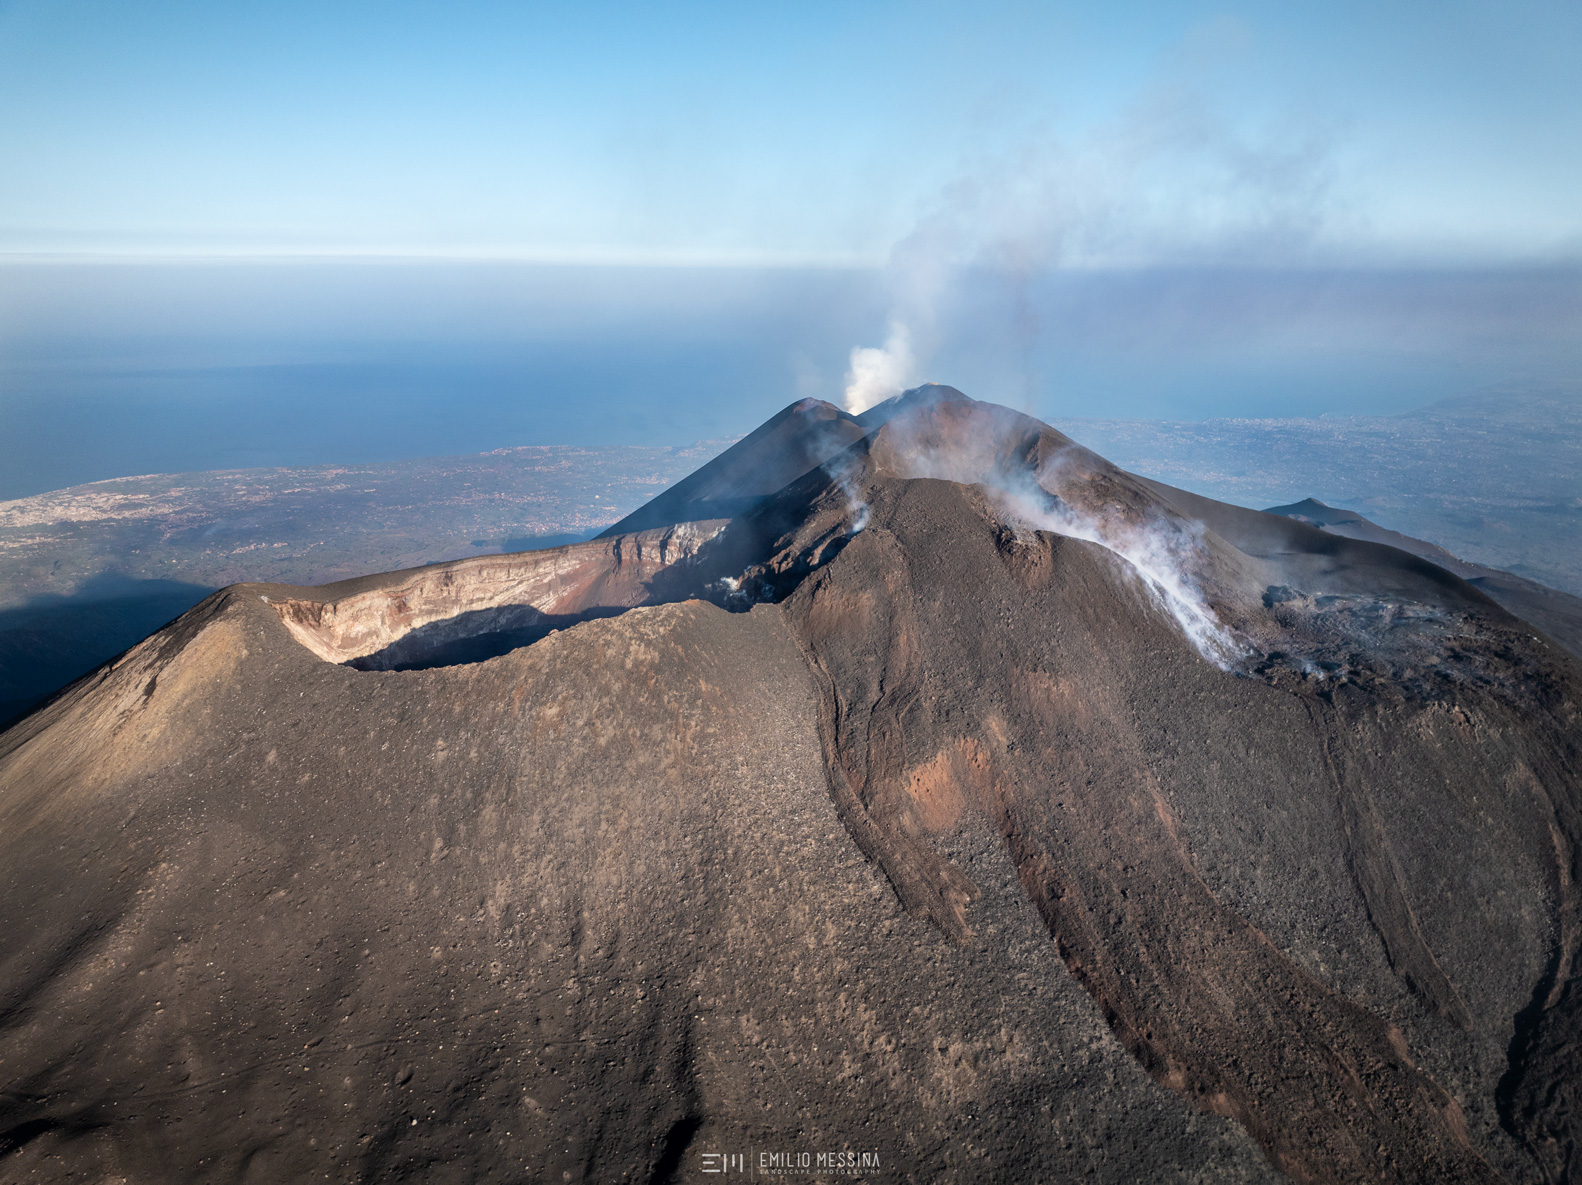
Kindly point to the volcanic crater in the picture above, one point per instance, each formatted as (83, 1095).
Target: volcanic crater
(915, 783)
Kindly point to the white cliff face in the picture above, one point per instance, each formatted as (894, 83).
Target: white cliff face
(496, 590)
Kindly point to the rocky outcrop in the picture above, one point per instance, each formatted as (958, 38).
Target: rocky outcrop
(360, 618)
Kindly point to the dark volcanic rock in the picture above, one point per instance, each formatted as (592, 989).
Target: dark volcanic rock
(1558, 614)
(771, 457)
(966, 802)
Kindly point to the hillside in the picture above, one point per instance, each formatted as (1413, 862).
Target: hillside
(968, 804)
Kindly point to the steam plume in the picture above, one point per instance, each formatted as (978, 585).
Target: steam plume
(1160, 553)
(878, 372)
(1169, 179)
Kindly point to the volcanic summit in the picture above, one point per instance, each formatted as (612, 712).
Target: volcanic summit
(916, 790)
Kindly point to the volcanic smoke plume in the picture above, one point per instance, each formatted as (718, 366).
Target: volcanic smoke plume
(911, 783)
(879, 373)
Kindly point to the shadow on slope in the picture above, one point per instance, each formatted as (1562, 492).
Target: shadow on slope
(52, 640)
(473, 637)
(784, 448)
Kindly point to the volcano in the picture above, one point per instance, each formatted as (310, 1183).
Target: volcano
(905, 797)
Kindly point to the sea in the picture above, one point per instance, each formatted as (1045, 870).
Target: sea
(117, 367)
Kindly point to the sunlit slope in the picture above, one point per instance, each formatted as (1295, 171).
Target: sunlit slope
(967, 800)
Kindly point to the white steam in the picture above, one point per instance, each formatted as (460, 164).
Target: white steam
(1171, 177)
(1161, 553)
(878, 372)
(843, 468)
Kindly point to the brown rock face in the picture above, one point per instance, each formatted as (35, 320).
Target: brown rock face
(1005, 816)
(1043, 743)
(403, 619)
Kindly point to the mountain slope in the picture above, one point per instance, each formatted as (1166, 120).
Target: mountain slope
(966, 802)
(1557, 613)
(770, 457)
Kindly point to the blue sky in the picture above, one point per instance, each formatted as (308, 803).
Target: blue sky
(1075, 134)
(281, 233)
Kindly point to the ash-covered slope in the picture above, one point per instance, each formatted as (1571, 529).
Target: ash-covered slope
(968, 802)
(767, 459)
(1558, 614)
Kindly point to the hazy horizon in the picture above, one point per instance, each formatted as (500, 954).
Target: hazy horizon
(298, 234)
(117, 369)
